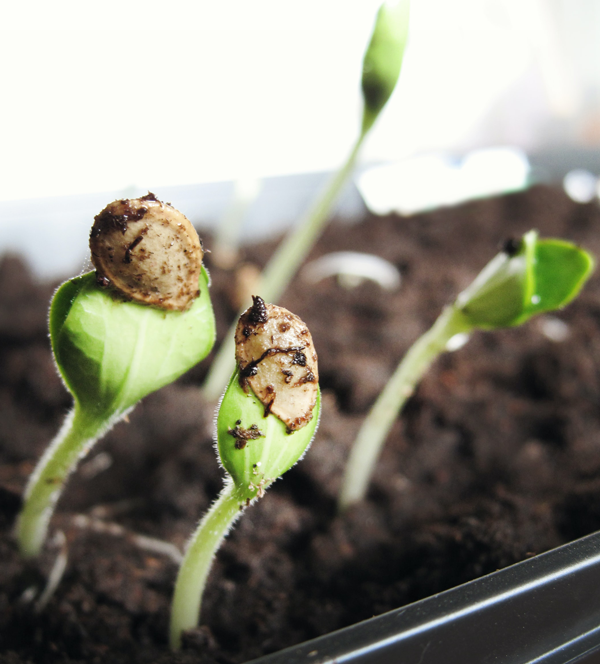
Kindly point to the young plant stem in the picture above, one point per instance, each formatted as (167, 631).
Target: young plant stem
(265, 423)
(384, 412)
(292, 252)
(79, 432)
(283, 266)
(226, 245)
(198, 559)
(527, 278)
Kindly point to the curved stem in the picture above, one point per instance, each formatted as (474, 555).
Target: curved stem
(295, 248)
(281, 268)
(201, 549)
(375, 428)
(79, 432)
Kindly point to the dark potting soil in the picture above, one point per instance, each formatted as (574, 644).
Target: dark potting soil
(496, 458)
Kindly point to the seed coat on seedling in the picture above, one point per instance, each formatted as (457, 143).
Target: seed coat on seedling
(277, 359)
(528, 277)
(148, 251)
(111, 348)
(265, 423)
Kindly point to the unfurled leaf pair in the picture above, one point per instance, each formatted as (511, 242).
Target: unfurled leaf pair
(529, 277)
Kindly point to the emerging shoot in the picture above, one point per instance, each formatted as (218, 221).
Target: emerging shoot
(383, 58)
(381, 69)
(529, 277)
(265, 423)
(110, 347)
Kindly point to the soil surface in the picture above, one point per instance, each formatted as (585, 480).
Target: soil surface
(496, 458)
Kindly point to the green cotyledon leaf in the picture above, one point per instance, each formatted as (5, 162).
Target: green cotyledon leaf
(532, 277)
(383, 58)
(256, 448)
(111, 352)
(560, 270)
(140, 321)
(266, 421)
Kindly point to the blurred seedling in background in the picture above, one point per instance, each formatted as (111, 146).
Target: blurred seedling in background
(137, 323)
(530, 277)
(265, 423)
(381, 70)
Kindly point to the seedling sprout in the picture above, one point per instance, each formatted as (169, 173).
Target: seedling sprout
(381, 70)
(265, 423)
(529, 277)
(137, 323)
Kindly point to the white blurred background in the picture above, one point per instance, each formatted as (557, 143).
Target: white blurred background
(122, 96)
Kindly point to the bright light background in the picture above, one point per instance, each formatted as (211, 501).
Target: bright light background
(120, 94)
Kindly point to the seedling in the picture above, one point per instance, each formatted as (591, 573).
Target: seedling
(527, 278)
(381, 69)
(137, 323)
(265, 423)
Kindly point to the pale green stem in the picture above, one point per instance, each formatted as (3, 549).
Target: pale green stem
(225, 248)
(375, 428)
(292, 252)
(199, 555)
(282, 267)
(79, 432)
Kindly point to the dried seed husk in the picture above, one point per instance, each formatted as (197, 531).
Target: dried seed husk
(277, 359)
(147, 251)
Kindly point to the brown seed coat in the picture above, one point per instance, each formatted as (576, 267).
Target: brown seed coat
(147, 251)
(277, 359)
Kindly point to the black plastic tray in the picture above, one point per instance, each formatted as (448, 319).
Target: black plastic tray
(545, 610)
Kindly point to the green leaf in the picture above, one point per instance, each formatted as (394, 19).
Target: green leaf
(383, 57)
(541, 275)
(560, 270)
(257, 462)
(112, 352)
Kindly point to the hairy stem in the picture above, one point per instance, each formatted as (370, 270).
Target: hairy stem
(375, 428)
(281, 268)
(79, 432)
(201, 549)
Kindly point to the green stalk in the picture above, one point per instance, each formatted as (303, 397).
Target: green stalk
(226, 245)
(79, 432)
(260, 436)
(282, 267)
(198, 559)
(526, 278)
(384, 412)
(292, 252)
(381, 68)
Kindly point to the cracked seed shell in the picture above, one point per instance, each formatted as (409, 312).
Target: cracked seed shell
(148, 251)
(277, 359)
